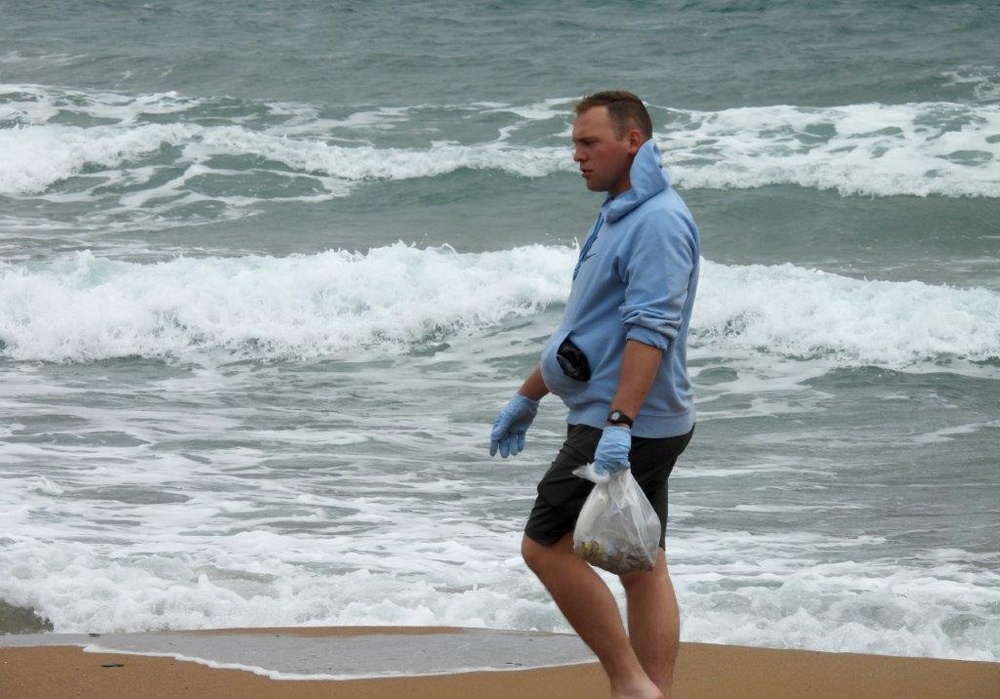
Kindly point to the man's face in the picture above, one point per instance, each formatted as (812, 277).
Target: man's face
(605, 158)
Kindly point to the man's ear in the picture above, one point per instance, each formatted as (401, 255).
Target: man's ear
(635, 140)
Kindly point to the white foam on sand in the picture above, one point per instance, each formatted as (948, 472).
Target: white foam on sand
(287, 655)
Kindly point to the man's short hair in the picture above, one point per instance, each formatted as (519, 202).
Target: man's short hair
(625, 109)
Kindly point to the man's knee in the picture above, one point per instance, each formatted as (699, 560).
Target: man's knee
(538, 556)
(647, 578)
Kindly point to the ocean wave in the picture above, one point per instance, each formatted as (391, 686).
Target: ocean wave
(393, 299)
(169, 148)
(867, 149)
(398, 298)
(808, 314)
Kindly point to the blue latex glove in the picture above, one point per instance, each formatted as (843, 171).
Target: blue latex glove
(511, 425)
(612, 450)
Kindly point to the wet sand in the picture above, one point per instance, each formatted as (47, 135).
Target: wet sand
(442, 663)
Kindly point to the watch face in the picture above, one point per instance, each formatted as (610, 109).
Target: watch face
(617, 417)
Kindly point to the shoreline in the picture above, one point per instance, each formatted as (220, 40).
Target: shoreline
(443, 662)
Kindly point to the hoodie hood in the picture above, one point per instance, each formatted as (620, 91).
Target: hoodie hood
(648, 179)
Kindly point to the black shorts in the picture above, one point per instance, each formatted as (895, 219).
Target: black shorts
(561, 494)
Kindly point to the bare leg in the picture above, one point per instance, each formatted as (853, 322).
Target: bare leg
(588, 605)
(654, 622)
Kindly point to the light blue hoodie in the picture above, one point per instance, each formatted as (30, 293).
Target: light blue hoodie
(636, 280)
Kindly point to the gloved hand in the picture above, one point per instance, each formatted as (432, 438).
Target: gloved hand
(612, 450)
(511, 425)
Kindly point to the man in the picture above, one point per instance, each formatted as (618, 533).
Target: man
(618, 362)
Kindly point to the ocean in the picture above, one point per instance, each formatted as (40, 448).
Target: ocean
(268, 271)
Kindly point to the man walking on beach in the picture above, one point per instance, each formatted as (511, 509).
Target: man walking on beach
(618, 362)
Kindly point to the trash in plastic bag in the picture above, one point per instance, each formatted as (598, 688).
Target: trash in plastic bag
(617, 529)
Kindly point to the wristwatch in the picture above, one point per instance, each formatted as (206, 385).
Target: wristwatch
(617, 417)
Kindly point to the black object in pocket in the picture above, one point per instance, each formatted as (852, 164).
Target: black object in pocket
(573, 361)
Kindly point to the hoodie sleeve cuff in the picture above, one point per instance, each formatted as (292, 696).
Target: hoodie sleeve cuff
(647, 337)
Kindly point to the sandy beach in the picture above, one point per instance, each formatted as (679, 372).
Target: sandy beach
(441, 662)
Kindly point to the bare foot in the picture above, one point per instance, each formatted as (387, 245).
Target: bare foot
(643, 690)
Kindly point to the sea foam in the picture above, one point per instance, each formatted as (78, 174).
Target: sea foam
(124, 142)
(395, 299)
(808, 314)
(391, 299)
(221, 581)
(863, 149)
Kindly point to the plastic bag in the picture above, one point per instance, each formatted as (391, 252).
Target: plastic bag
(617, 529)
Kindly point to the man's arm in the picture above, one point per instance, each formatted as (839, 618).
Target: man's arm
(640, 364)
(534, 387)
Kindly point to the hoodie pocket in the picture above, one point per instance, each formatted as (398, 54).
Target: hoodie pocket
(565, 367)
(573, 361)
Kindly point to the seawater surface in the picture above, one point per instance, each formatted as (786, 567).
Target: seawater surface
(266, 275)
